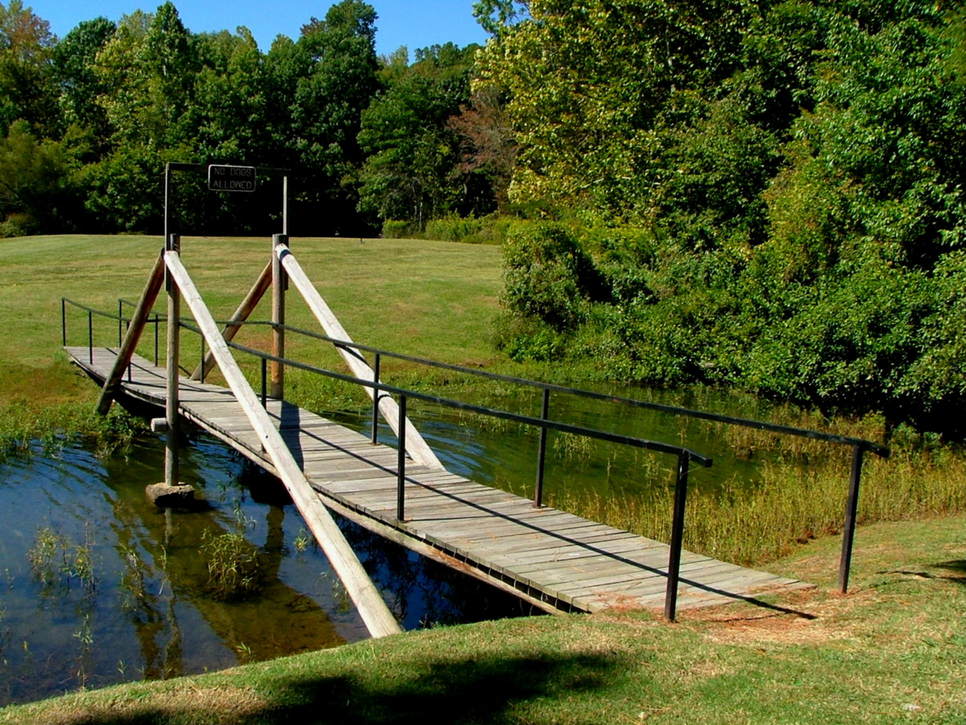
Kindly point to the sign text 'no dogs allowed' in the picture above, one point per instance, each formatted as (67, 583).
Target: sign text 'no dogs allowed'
(223, 177)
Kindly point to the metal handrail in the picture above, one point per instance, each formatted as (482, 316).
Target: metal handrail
(859, 446)
(684, 455)
(868, 445)
(121, 320)
(470, 407)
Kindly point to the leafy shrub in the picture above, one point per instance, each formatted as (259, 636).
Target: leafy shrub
(625, 258)
(529, 339)
(547, 276)
(937, 377)
(18, 225)
(452, 228)
(489, 229)
(398, 229)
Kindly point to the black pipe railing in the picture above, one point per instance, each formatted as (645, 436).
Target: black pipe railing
(859, 446)
(580, 392)
(684, 455)
(469, 407)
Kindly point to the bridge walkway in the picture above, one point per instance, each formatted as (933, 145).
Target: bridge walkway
(553, 559)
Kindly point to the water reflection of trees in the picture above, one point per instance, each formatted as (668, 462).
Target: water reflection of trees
(274, 623)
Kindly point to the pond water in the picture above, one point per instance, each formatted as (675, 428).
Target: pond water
(504, 454)
(98, 586)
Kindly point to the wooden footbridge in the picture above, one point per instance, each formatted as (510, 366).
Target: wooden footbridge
(553, 559)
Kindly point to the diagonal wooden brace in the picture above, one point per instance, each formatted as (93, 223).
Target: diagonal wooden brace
(364, 593)
(130, 343)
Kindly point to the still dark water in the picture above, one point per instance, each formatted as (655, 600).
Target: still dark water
(98, 586)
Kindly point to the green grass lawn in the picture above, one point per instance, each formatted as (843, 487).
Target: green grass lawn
(435, 299)
(893, 650)
(431, 298)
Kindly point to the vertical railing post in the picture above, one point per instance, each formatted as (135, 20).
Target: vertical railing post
(90, 337)
(157, 322)
(285, 205)
(264, 387)
(130, 364)
(63, 321)
(171, 462)
(375, 399)
(202, 379)
(278, 318)
(851, 507)
(541, 450)
(677, 538)
(401, 463)
(120, 319)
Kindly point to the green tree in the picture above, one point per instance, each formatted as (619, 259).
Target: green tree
(78, 82)
(587, 81)
(795, 169)
(35, 193)
(230, 98)
(122, 81)
(337, 84)
(412, 154)
(27, 89)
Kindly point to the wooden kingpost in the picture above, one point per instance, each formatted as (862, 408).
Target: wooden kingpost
(279, 283)
(171, 462)
(418, 449)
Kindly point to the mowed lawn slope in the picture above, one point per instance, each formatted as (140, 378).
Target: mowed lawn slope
(436, 299)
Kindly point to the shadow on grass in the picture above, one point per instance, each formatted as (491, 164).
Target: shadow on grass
(483, 690)
(956, 565)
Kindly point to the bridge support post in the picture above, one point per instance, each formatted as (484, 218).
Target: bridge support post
(171, 461)
(279, 283)
(851, 508)
(677, 538)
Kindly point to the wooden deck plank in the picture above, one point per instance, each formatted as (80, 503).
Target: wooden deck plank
(559, 555)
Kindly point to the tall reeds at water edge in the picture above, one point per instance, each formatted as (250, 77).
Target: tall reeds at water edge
(795, 500)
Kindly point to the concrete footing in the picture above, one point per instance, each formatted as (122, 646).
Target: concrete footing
(163, 495)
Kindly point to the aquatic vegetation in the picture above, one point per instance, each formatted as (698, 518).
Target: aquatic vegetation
(56, 560)
(302, 541)
(234, 568)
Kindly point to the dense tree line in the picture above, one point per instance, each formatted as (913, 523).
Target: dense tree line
(763, 193)
(88, 121)
(754, 192)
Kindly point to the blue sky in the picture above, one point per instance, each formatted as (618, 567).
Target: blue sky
(413, 23)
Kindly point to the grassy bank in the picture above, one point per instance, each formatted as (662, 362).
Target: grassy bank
(894, 650)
